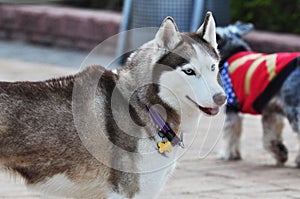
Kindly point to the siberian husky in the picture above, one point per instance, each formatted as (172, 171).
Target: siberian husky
(103, 134)
(257, 83)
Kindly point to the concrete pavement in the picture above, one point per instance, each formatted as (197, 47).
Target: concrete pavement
(20, 51)
(199, 173)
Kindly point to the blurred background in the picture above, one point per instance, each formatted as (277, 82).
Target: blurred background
(63, 32)
(285, 14)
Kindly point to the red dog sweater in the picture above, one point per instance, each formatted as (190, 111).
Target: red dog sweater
(251, 79)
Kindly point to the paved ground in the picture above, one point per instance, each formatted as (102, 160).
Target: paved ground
(17, 50)
(199, 173)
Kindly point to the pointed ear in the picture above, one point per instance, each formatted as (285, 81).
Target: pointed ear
(168, 35)
(208, 30)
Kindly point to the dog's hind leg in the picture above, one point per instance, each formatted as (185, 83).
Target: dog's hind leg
(297, 160)
(290, 95)
(272, 121)
(231, 136)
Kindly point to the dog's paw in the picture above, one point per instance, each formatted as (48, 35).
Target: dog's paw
(280, 152)
(232, 156)
(297, 161)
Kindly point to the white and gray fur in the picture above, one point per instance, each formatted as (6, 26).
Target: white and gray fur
(40, 121)
(286, 103)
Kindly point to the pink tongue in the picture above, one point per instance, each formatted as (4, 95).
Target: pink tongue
(214, 111)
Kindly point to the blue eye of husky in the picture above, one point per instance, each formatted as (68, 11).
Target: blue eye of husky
(189, 72)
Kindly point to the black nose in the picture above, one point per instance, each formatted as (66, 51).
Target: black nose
(219, 98)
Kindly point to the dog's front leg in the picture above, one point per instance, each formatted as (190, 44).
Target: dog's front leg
(231, 137)
(290, 96)
(297, 160)
(272, 122)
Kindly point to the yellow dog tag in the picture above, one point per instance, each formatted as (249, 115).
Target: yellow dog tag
(164, 146)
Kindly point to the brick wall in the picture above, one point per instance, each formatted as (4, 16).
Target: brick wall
(84, 29)
(59, 26)
(268, 42)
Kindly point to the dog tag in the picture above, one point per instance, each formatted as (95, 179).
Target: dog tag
(164, 147)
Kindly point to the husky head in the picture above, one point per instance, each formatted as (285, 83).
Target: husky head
(184, 67)
(194, 59)
(230, 40)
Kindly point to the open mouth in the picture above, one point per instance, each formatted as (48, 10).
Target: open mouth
(207, 110)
